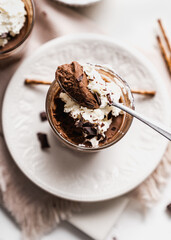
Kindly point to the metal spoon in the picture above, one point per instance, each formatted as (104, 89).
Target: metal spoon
(160, 128)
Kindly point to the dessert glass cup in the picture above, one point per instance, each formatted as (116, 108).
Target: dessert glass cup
(127, 99)
(16, 50)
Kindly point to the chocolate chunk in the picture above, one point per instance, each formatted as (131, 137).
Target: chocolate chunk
(43, 116)
(109, 116)
(79, 122)
(169, 208)
(88, 124)
(42, 137)
(102, 125)
(99, 136)
(90, 137)
(80, 78)
(96, 95)
(109, 98)
(90, 131)
(87, 127)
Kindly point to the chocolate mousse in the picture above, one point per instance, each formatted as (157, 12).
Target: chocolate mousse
(82, 114)
(74, 80)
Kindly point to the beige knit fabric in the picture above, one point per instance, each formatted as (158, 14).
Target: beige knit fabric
(151, 189)
(34, 210)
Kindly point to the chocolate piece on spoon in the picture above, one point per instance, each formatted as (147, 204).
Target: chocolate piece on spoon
(74, 82)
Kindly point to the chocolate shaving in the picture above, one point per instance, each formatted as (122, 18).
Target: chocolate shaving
(96, 95)
(120, 100)
(90, 131)
(43, 116)
(109, 116)
(109, 98)
(42, 137)
(79, 122)
(88, 124)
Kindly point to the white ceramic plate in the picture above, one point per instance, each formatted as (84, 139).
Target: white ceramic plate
(78, 3)
(76, 175)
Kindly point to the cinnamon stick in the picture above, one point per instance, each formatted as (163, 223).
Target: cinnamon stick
(164, 54)
(37, 82)
(164, 34)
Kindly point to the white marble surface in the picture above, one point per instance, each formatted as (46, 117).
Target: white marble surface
(134, 22)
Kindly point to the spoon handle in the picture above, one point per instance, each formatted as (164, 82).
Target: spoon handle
(163, 130)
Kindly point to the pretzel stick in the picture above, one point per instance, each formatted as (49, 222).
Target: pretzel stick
(164, 34)
(32, 81)
(143, 92)
(37, 82)
(167, 60)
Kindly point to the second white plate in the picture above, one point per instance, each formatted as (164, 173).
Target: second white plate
(74, 175)
(78, 3)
